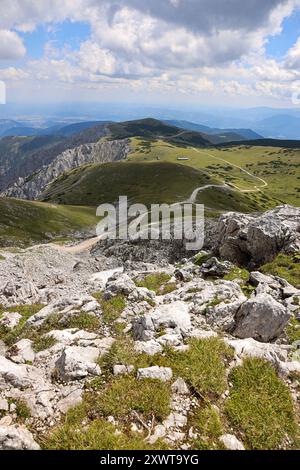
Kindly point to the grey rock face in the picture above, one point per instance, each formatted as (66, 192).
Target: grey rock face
(261, 318)
(245, 239)
(17, 438)
(100, 152)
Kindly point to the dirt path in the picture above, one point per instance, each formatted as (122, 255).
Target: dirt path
(86, 245)
(257, 188)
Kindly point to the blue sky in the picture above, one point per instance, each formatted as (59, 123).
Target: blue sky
(279, 45)
(70, 33)
(156, 51)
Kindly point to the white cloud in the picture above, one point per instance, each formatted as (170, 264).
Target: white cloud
(183, 46)
(293, 56)
(11, 45)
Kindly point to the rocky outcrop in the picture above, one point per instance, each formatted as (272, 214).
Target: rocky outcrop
(100, 152)
(256, 240)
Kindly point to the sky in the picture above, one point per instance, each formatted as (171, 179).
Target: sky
(175, 52)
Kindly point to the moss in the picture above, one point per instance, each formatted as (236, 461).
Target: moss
(43, 342)
(155, 282)
(112, 308)
(285, 266)
(260, 407)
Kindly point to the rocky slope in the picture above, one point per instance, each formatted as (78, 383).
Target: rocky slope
(99, 152)
(202, 349)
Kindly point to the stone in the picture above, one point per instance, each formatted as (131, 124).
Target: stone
(91, 306)
(18, 375)
(159, 433)
(22, 351)
(70, 398)
(169, 340)
(102, 277)
(77, 362)
(245, 239)
(174, 316)
(151, 347)
(251, 348)
(231, 442)
(287, 368)
(17, 438)
(6, 420)
(10, 320)
(175, 420)
(261, 318)
(202, 334)
(120, 369)
(122, 284)
(223, 315)
(214, 267)
(179, 387)
(155, 372)
(4, 405)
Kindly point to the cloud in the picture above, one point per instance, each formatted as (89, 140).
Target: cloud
(184, 46)
(11, 45)
(293, 57)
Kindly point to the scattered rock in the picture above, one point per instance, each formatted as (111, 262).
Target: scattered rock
(159, 373)
(261, 318)
(231, 442)
(22, 352)
(10, 320)
(16, 438)
(77, 362)
(120, 369)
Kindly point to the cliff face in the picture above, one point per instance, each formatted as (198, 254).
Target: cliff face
(100, 152)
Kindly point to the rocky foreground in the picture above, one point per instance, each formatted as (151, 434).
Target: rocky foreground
(197, 354)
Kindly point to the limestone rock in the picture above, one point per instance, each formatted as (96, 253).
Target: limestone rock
(261, 318)
(159, 373)
(231, 442)
(10, 320)
(77, 362)
(17, 438)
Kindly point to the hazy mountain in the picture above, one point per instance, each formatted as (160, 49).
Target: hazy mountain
(6, 124)
(282, 126)
(228, 134)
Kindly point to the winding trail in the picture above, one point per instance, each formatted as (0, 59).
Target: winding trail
(86, 245)
(257, 188)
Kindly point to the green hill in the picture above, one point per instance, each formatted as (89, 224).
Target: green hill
(24, 222)
(155, 129)
(147, 183)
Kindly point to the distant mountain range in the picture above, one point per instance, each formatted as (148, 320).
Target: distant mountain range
(221, 134)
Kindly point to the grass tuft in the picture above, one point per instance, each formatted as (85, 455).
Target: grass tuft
(260, 407)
